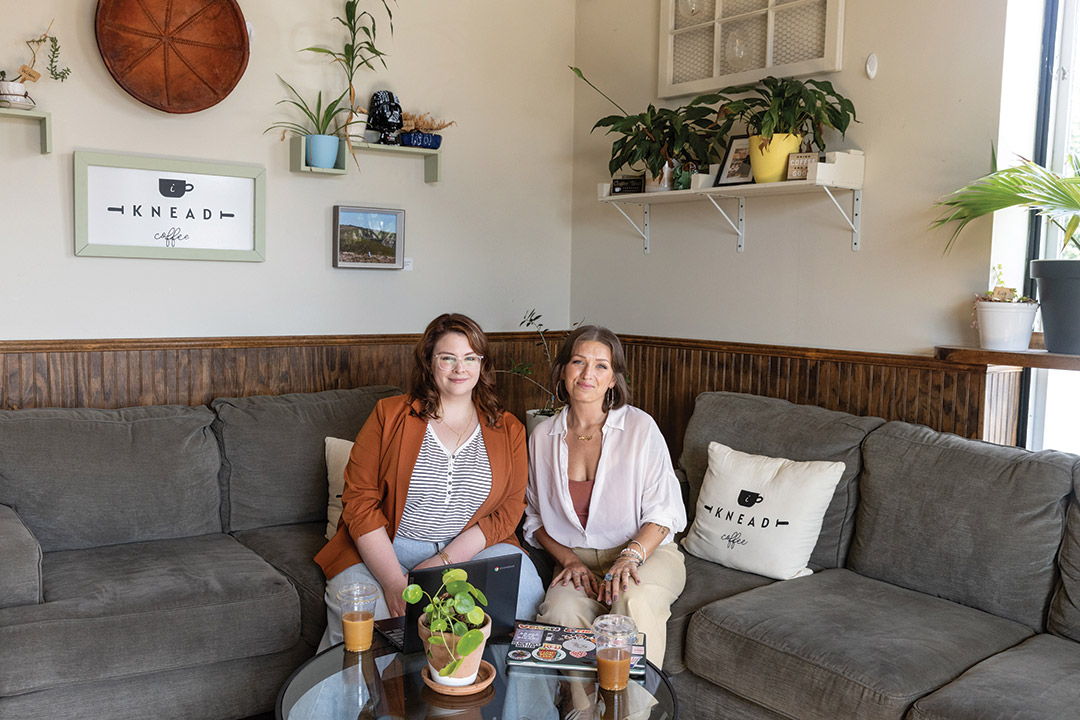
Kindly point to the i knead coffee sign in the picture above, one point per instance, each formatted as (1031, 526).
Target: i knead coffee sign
(761, 514)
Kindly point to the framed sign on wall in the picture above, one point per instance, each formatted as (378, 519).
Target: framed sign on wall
(165, 208)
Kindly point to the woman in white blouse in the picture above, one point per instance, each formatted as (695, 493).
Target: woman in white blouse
(603, 498)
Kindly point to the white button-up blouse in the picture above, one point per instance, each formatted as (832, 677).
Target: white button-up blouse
(635, 484)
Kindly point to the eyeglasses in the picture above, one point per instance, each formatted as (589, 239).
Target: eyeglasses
(449, 362)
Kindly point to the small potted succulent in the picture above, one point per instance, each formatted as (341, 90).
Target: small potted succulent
(454, 628)
(322, 141)
(1004, 317)
(13, 92)
(783, 115)
(421, 130)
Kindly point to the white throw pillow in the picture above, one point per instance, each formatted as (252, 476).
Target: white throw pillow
(337, 457)
(761, 514)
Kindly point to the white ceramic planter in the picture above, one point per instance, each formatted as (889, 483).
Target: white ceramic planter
(15, 93)
(1005, 326)
(532, 419)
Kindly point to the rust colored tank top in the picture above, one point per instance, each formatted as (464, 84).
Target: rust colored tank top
(581, 494)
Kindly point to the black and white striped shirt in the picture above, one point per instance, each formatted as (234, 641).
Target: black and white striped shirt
(446, 489)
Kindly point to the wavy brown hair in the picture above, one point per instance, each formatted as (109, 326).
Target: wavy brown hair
(617, 396)
(424, 389)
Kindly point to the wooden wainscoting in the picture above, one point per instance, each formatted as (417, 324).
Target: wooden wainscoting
(666, 374)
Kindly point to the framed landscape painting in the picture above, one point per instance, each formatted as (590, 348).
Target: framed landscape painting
(369, 238)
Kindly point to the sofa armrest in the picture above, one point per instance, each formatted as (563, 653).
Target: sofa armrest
(20, 561)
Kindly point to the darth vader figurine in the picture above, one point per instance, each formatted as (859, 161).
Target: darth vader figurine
(384, 115)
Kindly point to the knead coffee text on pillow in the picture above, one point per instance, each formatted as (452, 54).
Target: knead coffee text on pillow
(761, 514)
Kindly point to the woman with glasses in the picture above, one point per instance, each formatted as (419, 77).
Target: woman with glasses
(435, 477)
(603, 498)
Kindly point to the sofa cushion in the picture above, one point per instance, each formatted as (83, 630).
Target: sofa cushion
(82, 478)
(337, 458)
(705, 582)
(273, 468)
(1035, 680)
(761, 514)
(839, 645)
(1065, 608)
(289, 548)
(777, 428)
(972, 522)
(122, 610)
(20, 562)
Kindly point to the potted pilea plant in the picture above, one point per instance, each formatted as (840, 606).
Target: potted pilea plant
(13, 91)
(1055, 197)
(668, 142)
(782, 116)
(421, 130)
(358, 51)
(454, 627)
(322, 141)
(1004, 317)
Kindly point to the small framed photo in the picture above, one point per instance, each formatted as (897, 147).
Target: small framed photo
(736, 168)
(369, 238)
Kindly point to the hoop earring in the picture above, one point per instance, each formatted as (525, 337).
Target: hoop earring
(609, 399)
(560, 390)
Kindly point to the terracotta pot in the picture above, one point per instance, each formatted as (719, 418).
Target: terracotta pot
(439, 655)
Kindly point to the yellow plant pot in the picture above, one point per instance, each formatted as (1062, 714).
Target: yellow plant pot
(770, 163)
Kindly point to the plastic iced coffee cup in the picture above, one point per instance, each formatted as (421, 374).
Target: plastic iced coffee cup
(614, 636)
(357, 615)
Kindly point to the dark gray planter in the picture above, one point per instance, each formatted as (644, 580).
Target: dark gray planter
(1059, 293)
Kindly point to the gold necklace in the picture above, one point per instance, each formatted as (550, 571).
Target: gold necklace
(585, 438)
(450, 427)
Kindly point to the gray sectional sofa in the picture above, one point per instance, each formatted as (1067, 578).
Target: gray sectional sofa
(156, 561)
(946, 583)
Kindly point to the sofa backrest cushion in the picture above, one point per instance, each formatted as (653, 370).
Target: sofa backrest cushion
(80, 477)
(969, 521)
(273, 469)
(1065, 608)
(777, 428)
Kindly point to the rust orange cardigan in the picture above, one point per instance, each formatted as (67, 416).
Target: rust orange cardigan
(381, 464)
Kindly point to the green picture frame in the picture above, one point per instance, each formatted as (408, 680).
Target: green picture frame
(139, 206)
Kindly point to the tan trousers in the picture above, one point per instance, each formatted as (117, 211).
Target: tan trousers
(662, 576)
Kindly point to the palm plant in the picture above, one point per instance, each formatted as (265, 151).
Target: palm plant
(358, 51)
(681, 137)
(1028, 185)
(319, 118)
(787, 105)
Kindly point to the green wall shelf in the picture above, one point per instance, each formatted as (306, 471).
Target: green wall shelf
(44, 118)
(432, 158)
(298, 158)
(298, 154)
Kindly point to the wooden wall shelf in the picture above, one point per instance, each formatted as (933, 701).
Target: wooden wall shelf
(1024, 358)
(42, 117)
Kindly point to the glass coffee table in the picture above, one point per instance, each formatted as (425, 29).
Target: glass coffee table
(384, 683)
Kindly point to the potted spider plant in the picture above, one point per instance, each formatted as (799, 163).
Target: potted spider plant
(668, 142)
(782, 116)
(322, 142)
(1056, 198)
(454, 628)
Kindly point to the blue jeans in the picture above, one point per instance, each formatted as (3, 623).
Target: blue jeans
(411, 553)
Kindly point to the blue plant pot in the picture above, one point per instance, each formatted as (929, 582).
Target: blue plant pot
(420, 139)
(322, 150)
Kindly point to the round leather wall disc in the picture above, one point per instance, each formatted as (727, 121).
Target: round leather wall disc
(180, 56)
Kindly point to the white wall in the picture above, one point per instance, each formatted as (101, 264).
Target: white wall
(927, 123)
(492, 239)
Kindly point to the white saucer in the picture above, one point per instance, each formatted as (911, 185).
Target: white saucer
(16, 103)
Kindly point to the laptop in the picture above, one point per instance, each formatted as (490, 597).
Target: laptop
(496, 577)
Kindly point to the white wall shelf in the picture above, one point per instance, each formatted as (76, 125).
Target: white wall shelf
(432, 158)
(849, 178)
(298, 155)
(42, 117)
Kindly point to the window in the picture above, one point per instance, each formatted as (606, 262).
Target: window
(707, 44)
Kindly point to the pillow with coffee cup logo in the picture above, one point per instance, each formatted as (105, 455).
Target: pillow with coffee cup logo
(337, 457)
(761, 514)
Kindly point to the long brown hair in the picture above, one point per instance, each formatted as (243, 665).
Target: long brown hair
(618, 395)
(424, 389)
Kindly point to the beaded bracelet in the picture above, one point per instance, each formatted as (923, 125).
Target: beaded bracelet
(644, 555)
(632, 554)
